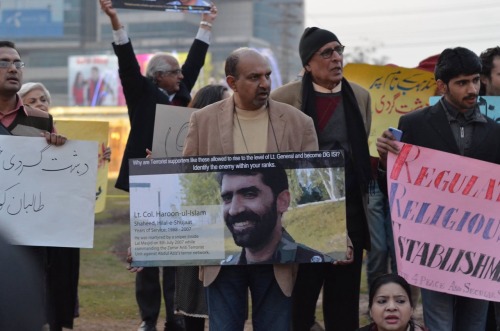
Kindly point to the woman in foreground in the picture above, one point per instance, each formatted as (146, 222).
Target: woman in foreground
(390, 305)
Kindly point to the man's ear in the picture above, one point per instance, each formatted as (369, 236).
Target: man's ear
(231, 82)
(441, 87)
(158, 77)
(283, 201)
(307, 68)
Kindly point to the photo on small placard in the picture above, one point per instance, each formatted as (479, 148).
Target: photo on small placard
(180, 6)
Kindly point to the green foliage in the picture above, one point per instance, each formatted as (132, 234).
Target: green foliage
(294, 186)
(200, 189)
(320, 226)
(312, 185)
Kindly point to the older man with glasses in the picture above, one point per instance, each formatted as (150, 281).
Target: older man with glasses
(342, 116)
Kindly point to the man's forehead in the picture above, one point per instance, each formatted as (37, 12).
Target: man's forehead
(8, 52)
(331, 44)
(238, 181)
(261, 70)
(253, 62)
(466, 77)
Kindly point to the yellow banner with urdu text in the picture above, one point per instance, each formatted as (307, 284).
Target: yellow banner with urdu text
(96, 131)
(394, 91)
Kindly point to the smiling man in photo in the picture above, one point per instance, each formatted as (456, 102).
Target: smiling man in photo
(254, 202)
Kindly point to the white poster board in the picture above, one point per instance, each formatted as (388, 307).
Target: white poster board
(171, 128)
(47, 193)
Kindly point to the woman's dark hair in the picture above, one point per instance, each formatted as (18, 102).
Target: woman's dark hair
(387, 279)
(207, 95)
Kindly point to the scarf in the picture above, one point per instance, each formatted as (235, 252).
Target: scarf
(356, 133)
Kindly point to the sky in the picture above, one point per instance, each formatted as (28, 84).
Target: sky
(407, 31)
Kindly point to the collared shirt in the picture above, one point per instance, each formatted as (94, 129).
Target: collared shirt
(170, 96)
(8, 117)
(462, 124)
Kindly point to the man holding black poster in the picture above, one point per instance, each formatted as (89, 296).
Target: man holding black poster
(165, 83)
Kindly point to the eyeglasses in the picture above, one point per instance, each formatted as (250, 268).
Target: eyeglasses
(7, 64)
(327, 53)
(175, 72)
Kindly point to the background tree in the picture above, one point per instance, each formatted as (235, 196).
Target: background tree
(332, 180)
(200, 189)
(365, 54)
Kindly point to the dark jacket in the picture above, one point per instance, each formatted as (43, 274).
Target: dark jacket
(142, 95)
(429, 128)
(29, 122)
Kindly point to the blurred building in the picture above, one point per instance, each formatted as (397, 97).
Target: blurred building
(48, 32)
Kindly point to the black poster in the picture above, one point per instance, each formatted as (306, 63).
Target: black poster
(180, 6)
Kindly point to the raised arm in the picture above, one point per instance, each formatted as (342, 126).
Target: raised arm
(107, 8)
(207, 19)
(196, 55)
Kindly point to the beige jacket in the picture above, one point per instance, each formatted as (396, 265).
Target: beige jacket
(211, 133)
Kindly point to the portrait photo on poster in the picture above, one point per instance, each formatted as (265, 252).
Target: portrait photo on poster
(238, 209)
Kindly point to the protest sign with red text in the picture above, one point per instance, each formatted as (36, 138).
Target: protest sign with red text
(446, 219)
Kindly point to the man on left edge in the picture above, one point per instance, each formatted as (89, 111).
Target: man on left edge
(22, 120)
(19, 119)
